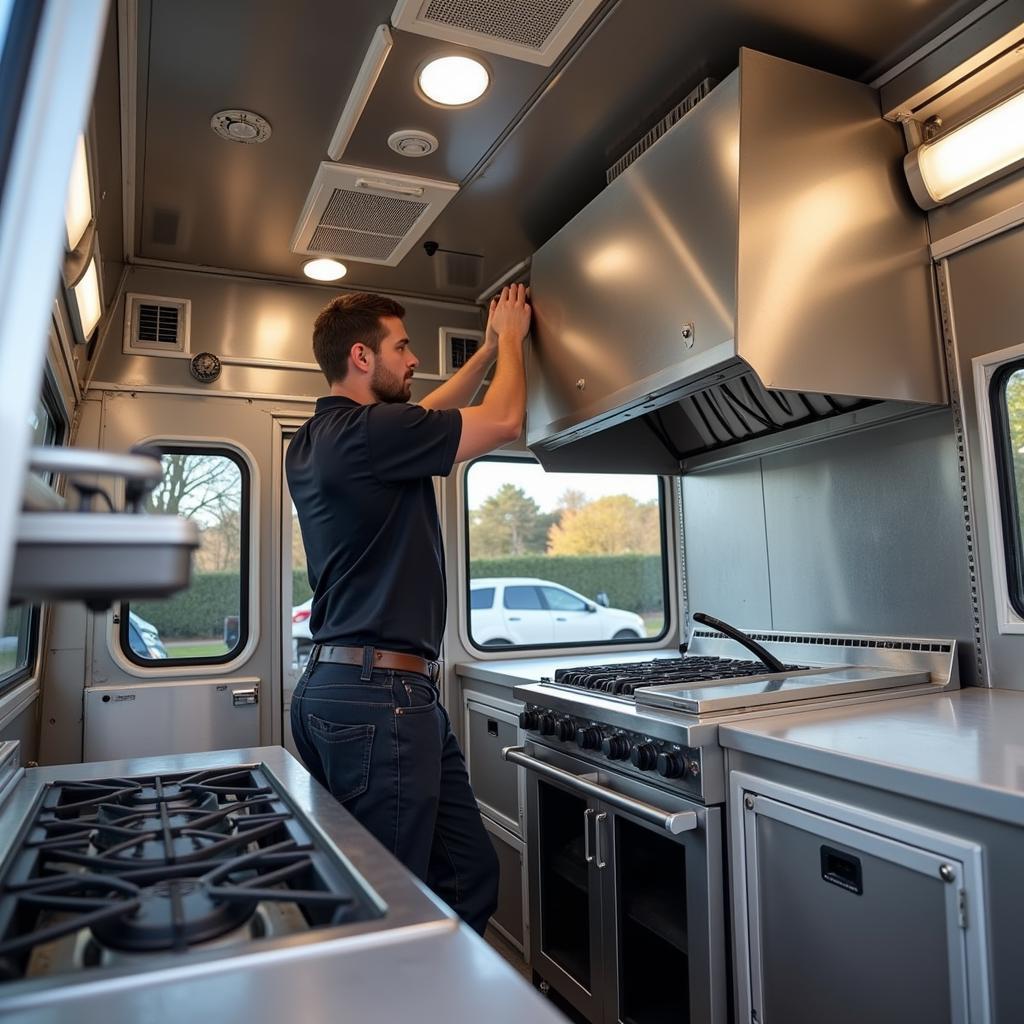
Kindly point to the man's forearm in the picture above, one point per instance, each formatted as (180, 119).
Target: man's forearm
(506, 397)
(458, 391)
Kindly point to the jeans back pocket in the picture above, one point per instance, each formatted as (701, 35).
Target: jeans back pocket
(344, 752)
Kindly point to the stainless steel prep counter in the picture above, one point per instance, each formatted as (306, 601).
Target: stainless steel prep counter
(416, 963)
(963, 749)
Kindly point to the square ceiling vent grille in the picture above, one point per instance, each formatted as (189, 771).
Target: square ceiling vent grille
(360, 214)
(532, 30)
(155, 325)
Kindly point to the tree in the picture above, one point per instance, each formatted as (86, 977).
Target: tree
(614, 525)
(508, 523)
(208, 490)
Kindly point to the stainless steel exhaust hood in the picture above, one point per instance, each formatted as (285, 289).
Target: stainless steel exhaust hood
(758, 277)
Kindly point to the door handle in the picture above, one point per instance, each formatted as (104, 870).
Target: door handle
(515, 618)
(560, 618)
(597, 840)
(672, 822)
(587, 855)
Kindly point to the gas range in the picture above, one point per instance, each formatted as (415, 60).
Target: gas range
(112, 870)
(119, 876)
(656, 720)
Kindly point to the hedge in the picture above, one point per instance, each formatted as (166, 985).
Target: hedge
(630, 581)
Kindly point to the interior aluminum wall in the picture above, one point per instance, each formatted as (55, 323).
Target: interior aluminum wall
(860, 534)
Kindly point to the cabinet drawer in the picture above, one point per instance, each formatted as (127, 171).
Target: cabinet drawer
(496, 783)
(510, 917)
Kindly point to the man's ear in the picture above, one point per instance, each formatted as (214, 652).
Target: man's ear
(360, 356)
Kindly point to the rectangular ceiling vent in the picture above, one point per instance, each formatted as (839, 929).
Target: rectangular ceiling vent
(154, 324)
(369, 216)
(536, 31)
(457, 346)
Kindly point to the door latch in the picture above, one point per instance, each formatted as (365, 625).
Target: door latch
(240, 698)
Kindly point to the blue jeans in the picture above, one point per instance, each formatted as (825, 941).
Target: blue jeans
(384, 748)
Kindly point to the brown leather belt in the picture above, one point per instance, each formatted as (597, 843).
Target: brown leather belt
(377, 659)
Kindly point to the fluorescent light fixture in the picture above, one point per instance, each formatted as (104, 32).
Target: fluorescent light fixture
(324, 270)
(969, 156)
(88, 306)
(78, 209)
(454, 81)
(373, 64)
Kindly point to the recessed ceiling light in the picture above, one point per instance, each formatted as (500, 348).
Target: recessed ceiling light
(454, 81)
(243, 126)
(324, 270)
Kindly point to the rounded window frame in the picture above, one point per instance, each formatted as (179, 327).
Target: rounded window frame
(245, 565)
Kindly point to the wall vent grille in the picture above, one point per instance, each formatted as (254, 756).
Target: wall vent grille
(457, 347)
(881, 643)
(155, 324)
(675, 115)
(360, 214)
(536, 31)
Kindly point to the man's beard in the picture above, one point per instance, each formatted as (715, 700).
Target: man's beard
(386, 386)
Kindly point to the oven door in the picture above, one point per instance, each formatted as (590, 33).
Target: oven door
(626, 893)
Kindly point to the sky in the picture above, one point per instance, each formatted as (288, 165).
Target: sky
(485, 479)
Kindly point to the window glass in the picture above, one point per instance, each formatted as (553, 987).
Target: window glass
(559, 600)
(21, 624)
(481, 597)
(522, 597)
(588, 547)
(208, 622)
(302, 599)
(1008, 421)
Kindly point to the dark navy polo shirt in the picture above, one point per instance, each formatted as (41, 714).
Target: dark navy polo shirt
(360, 478)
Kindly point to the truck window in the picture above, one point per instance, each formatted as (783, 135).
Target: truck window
(208, 623)
(588, 549)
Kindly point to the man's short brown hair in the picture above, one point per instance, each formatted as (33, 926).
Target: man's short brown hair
(350, 319)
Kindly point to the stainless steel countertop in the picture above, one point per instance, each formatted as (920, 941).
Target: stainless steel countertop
(961, 749)
(417, 962)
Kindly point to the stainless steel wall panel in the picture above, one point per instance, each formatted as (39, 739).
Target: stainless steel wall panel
(250, 319)
(987, 309)
(865, 534)
(726, 545)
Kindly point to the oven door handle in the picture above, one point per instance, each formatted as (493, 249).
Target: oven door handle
(673, 822)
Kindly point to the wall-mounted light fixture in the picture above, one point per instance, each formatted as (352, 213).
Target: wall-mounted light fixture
(968, 156)
(80, 271)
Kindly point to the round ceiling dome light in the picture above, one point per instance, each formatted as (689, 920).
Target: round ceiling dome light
(413, 142)
(454, 81)
(324, 270)
(241, 126)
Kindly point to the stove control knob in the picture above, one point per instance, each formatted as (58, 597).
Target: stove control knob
(616, 748)
(645, 757)
(547, 725)
(566, 729)
(671, 765)
(529, 720)
(589, 739)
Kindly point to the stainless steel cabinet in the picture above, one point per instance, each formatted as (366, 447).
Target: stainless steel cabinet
(847, 916)
(627, 918)
(491, 724)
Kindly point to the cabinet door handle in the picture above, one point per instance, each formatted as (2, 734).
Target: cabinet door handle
(587, 855)
(597, 840)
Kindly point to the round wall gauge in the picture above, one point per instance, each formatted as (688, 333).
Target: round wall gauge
(205, 367)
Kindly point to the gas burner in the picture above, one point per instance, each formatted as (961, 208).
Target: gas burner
(173, 914)
(624, 679)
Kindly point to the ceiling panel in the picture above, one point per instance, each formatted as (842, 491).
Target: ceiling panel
(233, 206)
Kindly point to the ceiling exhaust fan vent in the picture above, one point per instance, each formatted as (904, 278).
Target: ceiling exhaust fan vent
(360, 214)
(531, 30)
(154, 324)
